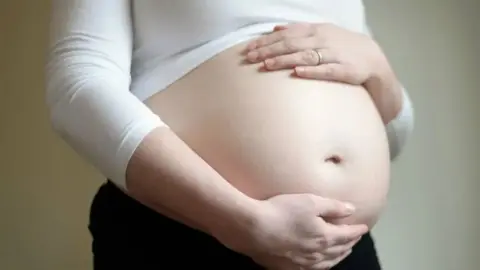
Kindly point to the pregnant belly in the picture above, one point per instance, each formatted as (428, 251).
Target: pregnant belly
(269, 133)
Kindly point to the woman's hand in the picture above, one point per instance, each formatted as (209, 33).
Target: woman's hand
(329, 52)
(319, 51)
(289, 233)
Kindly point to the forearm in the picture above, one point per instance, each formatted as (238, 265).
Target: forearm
(396, 110)
(162, 172)
(386, 92)
(390, 106)
(165, 174)
(393, 104)
(383, 85)
(91, 107)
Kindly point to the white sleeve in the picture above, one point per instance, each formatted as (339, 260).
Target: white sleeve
(88, 81)
(400, 129)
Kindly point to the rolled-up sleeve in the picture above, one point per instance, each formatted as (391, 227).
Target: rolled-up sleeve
(400, 129)
(88, 83)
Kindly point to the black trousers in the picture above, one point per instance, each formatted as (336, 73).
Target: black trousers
(128, 235)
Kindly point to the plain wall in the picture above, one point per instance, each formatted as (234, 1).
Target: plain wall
(433, 217)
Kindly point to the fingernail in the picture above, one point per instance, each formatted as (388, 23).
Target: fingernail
(350, 207)
(269, 62)
(299, 70)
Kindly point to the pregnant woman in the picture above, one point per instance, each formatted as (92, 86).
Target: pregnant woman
(234, 134)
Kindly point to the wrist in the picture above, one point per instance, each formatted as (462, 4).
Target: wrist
(195, 195)
(235, 224)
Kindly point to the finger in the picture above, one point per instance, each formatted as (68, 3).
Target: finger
(331, 253)
(326, 265)
(278, 36)
(343, 234)
(340, 258)
(307, 260)
(282, 47)
(338, 250)
(330, 72)
(302, 260)
(325, 207)
(302, 58)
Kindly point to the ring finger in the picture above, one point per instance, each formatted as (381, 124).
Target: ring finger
(309, 57)
(337, 250)
(279, 35)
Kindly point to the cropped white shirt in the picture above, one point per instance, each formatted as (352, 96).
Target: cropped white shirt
(107, 56)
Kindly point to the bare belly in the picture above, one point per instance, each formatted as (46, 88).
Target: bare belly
(271, 133)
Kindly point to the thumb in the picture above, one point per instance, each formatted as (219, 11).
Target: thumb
(329, 208)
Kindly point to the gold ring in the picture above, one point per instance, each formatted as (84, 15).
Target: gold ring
(320, 57)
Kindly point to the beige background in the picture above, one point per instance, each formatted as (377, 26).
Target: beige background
(433, 218)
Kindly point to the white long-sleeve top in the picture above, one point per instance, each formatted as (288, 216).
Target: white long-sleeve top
(107, 56)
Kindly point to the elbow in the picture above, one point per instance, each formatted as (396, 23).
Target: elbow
(76, 91)
(51, 102)
(70, 100)
(90, 107)
(80, 78)
(57, 123)
(58, 94)
(58, 84)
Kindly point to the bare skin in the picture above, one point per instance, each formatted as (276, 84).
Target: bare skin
(270, 134)
(267, 134)
(220, 164)
(259, 133)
